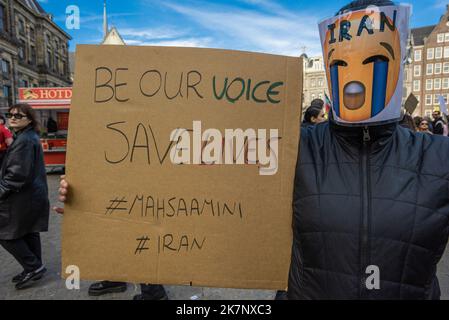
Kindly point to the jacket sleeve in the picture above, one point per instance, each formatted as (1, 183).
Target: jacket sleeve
(439, 129)
(18, 167)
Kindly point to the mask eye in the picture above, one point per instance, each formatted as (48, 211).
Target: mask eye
(339, 63)
(377, 58)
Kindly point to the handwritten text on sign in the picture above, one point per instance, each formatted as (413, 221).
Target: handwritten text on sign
(191, 145)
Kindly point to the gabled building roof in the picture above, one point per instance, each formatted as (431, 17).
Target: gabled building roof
(419, 34)
(113, 37)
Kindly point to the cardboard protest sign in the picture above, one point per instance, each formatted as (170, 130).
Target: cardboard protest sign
(181, 164)
(411, 103)
(443, 106)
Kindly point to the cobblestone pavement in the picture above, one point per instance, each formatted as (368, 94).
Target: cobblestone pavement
(53, 287)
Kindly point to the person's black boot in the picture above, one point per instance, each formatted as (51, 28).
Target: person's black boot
(151, 292)
(19, 277)
(31, 278)
(104, 287)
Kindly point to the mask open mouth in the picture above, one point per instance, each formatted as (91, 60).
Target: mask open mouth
(354, 95)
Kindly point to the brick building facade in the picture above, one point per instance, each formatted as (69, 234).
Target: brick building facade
(430, 65)
(33, 49)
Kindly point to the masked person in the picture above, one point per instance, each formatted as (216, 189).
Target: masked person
(371, 202)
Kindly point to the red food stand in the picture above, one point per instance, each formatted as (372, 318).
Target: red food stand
(51, 103)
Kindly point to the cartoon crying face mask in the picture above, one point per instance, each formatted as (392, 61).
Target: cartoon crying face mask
(364, 53)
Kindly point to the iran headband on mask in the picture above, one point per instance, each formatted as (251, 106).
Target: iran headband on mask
(364, 53)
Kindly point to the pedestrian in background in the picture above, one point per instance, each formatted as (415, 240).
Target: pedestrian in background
(438, 123)
(5, 138)
(430, 123)
(313, 115)
(24, 204)
(424, 127)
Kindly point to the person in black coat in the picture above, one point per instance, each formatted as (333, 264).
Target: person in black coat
(313, 116)
(371, 201)
(24, 204)
(438, 123)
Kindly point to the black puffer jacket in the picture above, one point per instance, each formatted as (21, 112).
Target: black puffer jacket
(24, 205)
(383, 202)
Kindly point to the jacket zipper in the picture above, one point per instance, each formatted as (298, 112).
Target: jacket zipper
(366, 191)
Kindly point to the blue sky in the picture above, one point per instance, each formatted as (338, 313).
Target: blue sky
(279, 27)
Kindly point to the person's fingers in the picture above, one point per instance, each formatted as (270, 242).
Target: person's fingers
(62, 198)
(62, 177)
(58, 210)
(63, 184)
(62, 191)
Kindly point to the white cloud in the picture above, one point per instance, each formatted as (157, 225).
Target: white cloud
(440, 4)
(277, 31)
(152, 33)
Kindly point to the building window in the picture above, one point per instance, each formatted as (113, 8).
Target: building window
(429, 70)
(440, 38)
(3, 19)
(418, 54)
(429, 84)
(6, 68)
(32, 34)
(416, 85)
(446, 52)
(428, 99)
(417, 71)
(446, 37)
(32, 55)
(49, 60)
(22, 52)
(439, 53)
(436, 100)
(56, 65)
(7, 94)
(312, 83)
(437, 68)
(418, 97)
(446, 83)
(21, 26)
(446, 67)
(437, 84)
(23, 83)
(430, 53)
(320, 82)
